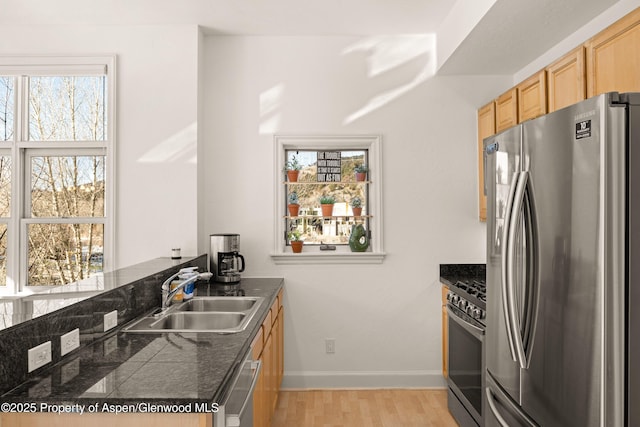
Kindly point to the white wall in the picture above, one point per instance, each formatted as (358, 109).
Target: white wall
(156, 121)
(385, 318)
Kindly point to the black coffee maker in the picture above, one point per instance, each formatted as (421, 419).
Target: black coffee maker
(225, 261)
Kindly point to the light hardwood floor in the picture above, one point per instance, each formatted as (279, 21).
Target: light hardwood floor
(363, 408)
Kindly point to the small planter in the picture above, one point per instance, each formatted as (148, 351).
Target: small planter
(293, 209)
(293, 175)
(296, 246)
(361, 176)
(327, 209)
(357, 211)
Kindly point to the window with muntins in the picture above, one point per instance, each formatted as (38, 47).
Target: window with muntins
(56, 163)
(329, 197)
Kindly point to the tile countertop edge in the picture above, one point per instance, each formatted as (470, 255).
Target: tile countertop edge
(42, 390)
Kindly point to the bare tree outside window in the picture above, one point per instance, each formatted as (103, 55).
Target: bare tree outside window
(56, 141)
(66, 186)
(6, 108)
(67, 108)
(7, 104)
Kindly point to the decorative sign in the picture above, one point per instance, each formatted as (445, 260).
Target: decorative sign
(329, 166)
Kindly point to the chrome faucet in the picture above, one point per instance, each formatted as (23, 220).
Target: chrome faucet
(167, 294)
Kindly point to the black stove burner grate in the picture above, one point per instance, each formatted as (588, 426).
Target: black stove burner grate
(476, 289)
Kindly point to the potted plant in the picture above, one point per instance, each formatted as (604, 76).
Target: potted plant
(361, 172)
(292, 168)
(326, 202)
(294, 204)
(356, 206)
(296, 241)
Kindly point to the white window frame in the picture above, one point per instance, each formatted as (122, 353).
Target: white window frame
(21, 149)
(282, 253)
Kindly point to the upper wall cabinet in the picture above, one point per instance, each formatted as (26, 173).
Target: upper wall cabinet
(507, 110)
(566, 80)
(486, 128)
(610, 61)
(532, 97)
(613, 57)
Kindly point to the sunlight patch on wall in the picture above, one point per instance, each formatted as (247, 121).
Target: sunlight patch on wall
(270, 104)
(181, 145)
(386, 53)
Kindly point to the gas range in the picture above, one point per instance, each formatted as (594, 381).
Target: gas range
(469, 297)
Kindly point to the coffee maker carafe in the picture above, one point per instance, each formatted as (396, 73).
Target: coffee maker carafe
(225, 261)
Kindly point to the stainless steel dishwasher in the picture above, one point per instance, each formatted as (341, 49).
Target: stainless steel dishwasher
(236, 409)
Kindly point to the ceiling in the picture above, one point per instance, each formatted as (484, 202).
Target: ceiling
(510, 35)
(515, 32)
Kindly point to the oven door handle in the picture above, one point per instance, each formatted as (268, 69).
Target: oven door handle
(472, 329)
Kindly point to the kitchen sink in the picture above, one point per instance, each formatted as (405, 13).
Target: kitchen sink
(218, 304)
(201, 314)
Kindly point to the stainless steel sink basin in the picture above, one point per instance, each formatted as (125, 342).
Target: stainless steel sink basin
(201, 314)
(218, 304)
(200, 321)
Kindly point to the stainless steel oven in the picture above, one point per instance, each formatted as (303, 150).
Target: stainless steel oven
(466, 329)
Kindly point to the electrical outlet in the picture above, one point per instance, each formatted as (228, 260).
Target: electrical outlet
(110, 320)
(69, 341)
(330, 345)
(39, 355)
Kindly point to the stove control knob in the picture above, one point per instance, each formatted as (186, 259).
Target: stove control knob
(477, 313)
(455, 299)
(449, 295)
(470, 308)
(462, 304)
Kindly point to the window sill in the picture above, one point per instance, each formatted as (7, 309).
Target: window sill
(329, 258)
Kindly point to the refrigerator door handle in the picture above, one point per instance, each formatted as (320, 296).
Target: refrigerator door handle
(531, 285)
(506, 255)
(512, 313)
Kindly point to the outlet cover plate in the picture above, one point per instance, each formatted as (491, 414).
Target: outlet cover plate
(110, 320)
(330, 345)
(39, 356)
(69, 341)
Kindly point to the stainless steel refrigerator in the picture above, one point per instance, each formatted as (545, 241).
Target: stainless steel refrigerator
(563, 262)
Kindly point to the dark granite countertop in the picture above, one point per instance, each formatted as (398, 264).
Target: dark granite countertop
(452, 273)
(133, 368)
(48, 299)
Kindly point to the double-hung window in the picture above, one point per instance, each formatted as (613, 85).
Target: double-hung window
(336, 213)
(56, 161)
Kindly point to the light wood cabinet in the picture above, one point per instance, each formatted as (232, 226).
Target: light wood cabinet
(486, 127)
(610, 61)
(507, 110)
(613, 57)
(271, 354)
(566, 83)
(445, 334)
(532, 97)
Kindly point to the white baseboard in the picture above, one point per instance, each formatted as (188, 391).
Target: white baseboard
(360, 380)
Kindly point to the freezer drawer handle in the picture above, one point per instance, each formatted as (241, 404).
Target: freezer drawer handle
(494, 409)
